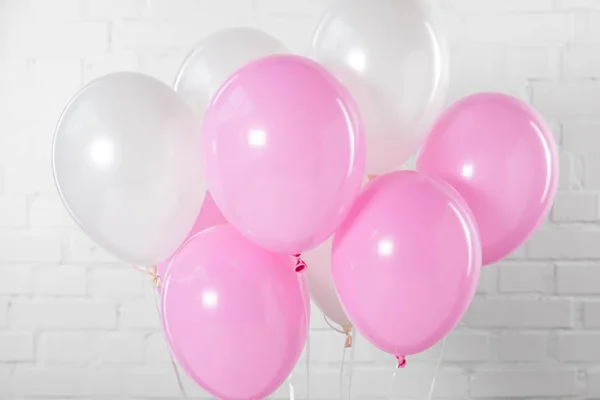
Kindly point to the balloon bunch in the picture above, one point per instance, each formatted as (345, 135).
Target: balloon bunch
(283, 143)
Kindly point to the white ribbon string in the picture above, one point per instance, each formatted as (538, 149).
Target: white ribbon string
(437, 370)
(349, 343)
(152, 272)
(351, 364)
(173, 363)
(291, 386)
(342, 373)
(306, 302)
(391, 389)
(433, 380)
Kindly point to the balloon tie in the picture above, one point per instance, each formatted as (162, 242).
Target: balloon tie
(345, 330)
(300, 264)
(306, 302)
(401, 361)
(350, 365)
(152, 272)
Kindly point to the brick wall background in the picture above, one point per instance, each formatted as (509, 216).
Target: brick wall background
(76, 324)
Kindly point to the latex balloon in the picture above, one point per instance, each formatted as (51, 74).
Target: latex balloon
(501, 157)
(284, 152)
(210, 215)
(218, 56)
(320, 284)
(406, 261)
(234, 314)
(126, 159)
(394, 62)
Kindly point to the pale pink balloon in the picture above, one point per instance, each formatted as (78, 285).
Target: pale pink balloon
(210, 215)
(234, 314)
(284, 152)
(406, 261)
(319, 280)
(501, 157)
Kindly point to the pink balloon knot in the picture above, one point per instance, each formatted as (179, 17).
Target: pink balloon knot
(401, 361)
(300, 264)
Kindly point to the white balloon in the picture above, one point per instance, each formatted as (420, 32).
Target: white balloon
(395, 64)
(126, 160)
(218, 56)
(319, 279)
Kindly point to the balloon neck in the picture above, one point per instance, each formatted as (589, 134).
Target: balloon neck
(371, 177)
(300, 264)
(401, 361)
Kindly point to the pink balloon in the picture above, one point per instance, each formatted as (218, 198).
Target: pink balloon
(406, 261)
(501, 157)
(284, 152)
(234, 314)
(210, 215)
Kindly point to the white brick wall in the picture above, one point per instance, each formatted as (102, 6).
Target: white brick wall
(76, 324)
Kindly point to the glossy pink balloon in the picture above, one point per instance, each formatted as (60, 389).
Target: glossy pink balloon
(210, 215)
(501, 157)
(234, 314)
(406, 261)
(284, 152)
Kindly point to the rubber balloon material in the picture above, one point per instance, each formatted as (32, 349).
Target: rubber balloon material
(394, 61)
(210, 215)
(320, 283)
(127, 164)
(501, 156)
(284, 168)
(234, 314)
(406, 261)
(218, 56)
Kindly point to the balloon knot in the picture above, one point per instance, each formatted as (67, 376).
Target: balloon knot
(401, 361)
(348, 342)
(300, 264)
(152, 272)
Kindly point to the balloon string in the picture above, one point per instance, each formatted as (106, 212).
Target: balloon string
(402, 364)
(390, 391)
(347, 331)
(342, 373)
(306, 302)
(173, 363)
(352, 351)
(291, 386)
(338, 330)
(437, 370)
(152, 272)
(156, 282)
